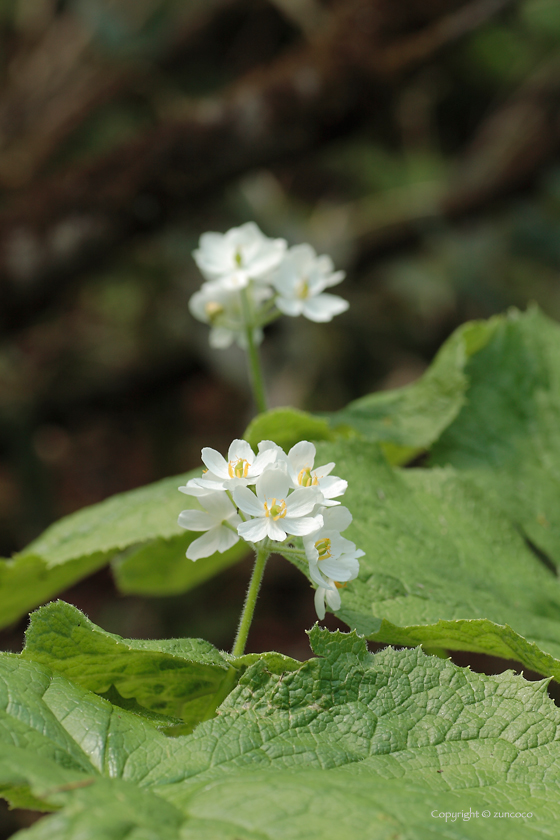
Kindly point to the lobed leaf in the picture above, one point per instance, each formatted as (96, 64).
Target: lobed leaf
(506, 438)
(350, 744)
(138, 529)
(406, 421)
(443, 567)
(286, 427)
(171, 681)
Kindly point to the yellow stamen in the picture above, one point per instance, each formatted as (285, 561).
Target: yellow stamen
(339, 585)
(324, 548)
(213, 310)
(306, 478)
(276, 511)
(302, 290)
(239, 468)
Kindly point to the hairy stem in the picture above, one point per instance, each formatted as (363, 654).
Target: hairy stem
(263, 553)
(255, 369)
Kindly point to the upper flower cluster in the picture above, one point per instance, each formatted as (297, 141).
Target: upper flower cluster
(274, 496)
(251, 279)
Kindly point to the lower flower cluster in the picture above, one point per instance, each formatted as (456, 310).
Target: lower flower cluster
(271, 497)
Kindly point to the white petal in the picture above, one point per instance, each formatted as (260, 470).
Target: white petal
(302, 256)
(253, 530)
(192, 488)
(247, 501)
(338, 519)
(332, 486)
(317, 577)
(300, 527)
(240, 449)
(320, 602)
(215, 462)
(197, 306)
(302, 456)
(209, 483)
(335, 278)
(340, 571)
(227, 539)
(288, 306)
(324, 307)
(302, 501)
(221, 338)
(218, 505)
(322, 472)
(275, 529)
(204, 546)
(324, 264)
(195, 520)
(339, 544)
(333, 599)
(273, 483)
(265, 445)
(264, 459)
(267, 260)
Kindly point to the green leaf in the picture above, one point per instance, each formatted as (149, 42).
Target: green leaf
(170, 681)
(408, 420)
(506, 439)
(176, 678)
(349, 745)
(286, 427)
(442, 566)
(141, 523)
(160, 567)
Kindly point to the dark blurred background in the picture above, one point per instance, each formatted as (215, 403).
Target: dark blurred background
(417, 142)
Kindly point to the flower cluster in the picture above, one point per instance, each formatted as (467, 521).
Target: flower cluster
(251, 279)
(272, 497)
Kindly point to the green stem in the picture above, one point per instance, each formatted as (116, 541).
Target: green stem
(253, 354)
(232, 676)
(263, 553)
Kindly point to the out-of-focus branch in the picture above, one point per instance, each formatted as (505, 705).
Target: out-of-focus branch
(300, 100)
(511, 146)
(54, 83)
(508, 151)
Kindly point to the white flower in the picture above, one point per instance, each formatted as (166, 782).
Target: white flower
(299, 463)
(276, 513)
(330, 595)
(301, 280)
(241, 468)
(218, 510)
(221, 309)
(331, 556)
(231, 260)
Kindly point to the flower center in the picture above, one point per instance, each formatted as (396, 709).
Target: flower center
(276, 511)
(302, 290)
(213, 310)
(238, 259)
(324, 548)
(239, 468)
(306, 478)
(339, 585)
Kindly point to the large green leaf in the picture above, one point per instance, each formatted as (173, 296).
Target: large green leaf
(139, 528)
(287, 426)
(506, 438)
(349, 745)
(408, 420)
(442, 567)
(172, 681)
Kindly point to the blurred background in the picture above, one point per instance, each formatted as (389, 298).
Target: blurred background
(415, 142)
